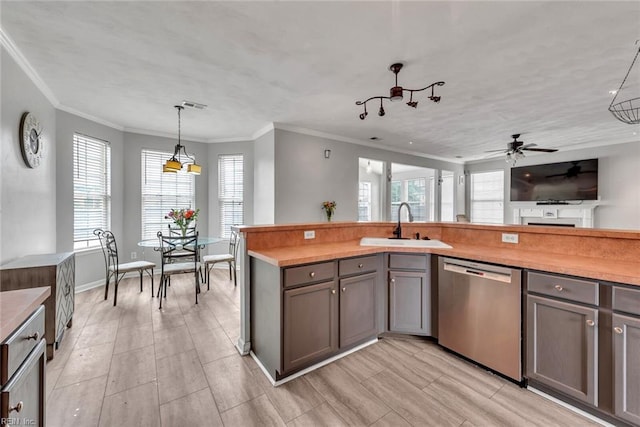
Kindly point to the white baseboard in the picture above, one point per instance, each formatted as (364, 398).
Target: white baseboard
(570, 407)
(95, 284)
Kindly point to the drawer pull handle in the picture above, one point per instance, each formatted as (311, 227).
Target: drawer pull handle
(33, 336)
(618, 330)
(558, 288)
(590, 322)
(312, 274)
(67, 290)
(344, 289)
(333, 291)
(17, 408)
(360, 265)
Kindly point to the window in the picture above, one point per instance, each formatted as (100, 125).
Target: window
(91, 189)
(446, 196)
(230, 192)
(487, 197)
(364, 201)
(162, 192)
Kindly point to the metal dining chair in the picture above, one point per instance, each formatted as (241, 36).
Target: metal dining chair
(179, 255)
(113, 267)
(210, 260)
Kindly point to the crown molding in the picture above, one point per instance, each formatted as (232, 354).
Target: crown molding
(22, 62)
(90, 117)
(164, 135)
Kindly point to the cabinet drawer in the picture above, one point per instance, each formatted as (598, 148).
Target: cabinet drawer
(23, 397)
(627, 300)
(363, 264)
(308, 274)
(20, 343)
(577, 290)
(408, 262)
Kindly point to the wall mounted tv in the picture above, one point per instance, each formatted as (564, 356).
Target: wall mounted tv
(552, 182)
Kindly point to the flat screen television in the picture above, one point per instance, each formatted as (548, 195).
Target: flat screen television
(564, 181)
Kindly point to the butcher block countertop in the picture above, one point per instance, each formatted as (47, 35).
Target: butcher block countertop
(612, 257)
(17, 306)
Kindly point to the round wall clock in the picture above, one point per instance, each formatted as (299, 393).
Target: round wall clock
(31, 143)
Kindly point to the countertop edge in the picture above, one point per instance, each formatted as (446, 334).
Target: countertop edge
(16, 306)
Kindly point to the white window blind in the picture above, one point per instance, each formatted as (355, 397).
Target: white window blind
(364, 201)
(446, 196)
(162, 192)
(91, 189)
(487, 197)
(230, 192)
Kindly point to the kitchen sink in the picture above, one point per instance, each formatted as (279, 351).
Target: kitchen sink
(402, 243)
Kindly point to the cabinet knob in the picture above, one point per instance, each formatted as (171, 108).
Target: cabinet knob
(360, 265)
(33, 336)
(590, 322)
(617, 330)
(17, 408)
(558, 288)
(312, 274)
(344, 289)
(333, 291)
(393, 280)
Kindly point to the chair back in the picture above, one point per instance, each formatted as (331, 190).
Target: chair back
(179, 248)
(233, 244)
(109, 247)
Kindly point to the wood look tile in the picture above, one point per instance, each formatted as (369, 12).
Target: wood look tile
(133, 337)
(52, 378)
(471, 405)
(352, 401)
(86, 363)
(258, 412)
(409, 402)
(537, 409)
(201, 319)
(320, 416)
(166, 320)
(195, 409)
(410, 345)
(213, 344)
(136, 313)
(77, 404)
(136, 407)
(131, 369)
(104, 311)
(290, 399)
(179, 375)
(360, 365)
(97, 334)
(172, 341)
(231, 382)
(392, 419)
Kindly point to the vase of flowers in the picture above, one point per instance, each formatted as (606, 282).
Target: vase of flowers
(329, 207)
(182, 218)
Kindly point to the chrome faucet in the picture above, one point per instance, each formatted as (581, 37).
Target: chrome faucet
(398, 231)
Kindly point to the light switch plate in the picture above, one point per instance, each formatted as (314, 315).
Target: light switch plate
(310, 234)
(509, 238)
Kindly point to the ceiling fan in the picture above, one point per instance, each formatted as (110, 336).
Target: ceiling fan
(515, 149)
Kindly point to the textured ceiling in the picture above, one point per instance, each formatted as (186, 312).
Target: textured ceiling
(541, 69)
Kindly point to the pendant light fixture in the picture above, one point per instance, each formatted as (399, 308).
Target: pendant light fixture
(395, 94)
(628, 111)
(180, 156)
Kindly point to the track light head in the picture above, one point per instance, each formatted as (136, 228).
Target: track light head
(413, 104)
(363, 115)
(435, 99)
(381, 111)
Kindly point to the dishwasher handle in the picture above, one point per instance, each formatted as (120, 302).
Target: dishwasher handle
(477, 272)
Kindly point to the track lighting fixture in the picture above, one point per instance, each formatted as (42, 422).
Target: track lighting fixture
(180, 156)
(395, 94)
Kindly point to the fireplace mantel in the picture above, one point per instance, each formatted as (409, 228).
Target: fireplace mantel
(572, 215)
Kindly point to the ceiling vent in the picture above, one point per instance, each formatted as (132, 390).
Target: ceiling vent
(191, 104)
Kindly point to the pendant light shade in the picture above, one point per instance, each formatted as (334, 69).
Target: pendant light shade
(180, 156)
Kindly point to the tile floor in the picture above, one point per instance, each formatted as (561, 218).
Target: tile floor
(134, 365)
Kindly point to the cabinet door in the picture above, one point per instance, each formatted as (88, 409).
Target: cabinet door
(561, 347)
(310, 324)
(357, 308)
(409, 302)
(627, 367)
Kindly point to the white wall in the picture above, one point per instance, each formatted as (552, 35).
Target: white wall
(27, 196)
(618, 184)
(264, 179)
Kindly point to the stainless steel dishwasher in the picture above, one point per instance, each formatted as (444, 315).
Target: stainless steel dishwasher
(479, 314)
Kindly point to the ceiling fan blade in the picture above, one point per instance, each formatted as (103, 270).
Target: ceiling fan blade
(496, 151)
(543, 150)
(526, 146)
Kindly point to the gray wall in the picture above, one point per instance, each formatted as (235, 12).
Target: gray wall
(27, 196)
(618, 187)
(304, 178)
(264, 179)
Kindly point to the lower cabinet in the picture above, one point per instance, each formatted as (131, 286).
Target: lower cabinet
(310, 324)
(357, 308)
(409, 294)
(561, 347)
(627, 367)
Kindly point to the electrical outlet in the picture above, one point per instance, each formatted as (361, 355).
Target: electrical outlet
(310, 234)
(509, 238)
(134, 255)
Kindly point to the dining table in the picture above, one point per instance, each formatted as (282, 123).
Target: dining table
(202, 242)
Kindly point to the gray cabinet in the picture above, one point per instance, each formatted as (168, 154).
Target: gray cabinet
(357, 308)
(562, 346)
(409, 294)
(626, 353)
(310, 324)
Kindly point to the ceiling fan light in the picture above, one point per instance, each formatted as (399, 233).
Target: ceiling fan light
(395, 94)
(194, 169)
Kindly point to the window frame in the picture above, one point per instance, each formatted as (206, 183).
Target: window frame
(474, 201)
(230, 200)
